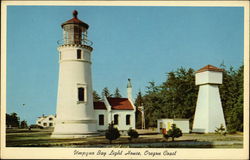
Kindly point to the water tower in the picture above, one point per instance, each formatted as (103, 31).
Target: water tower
(209, 113)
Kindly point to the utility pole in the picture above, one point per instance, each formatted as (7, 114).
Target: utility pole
(141, 109)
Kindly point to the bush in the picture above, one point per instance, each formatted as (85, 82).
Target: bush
(221, 130)
(132, 134)
(174, 132)
(24, 124)
(35, 126)
(112, 133)
(166, 136)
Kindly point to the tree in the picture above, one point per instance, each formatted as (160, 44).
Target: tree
(231, 92)
(152, 104)
(132, 134)
(138, 103)
(105, 92)
(180, 94)
(96, 96)
(176, 97)
(174, 132)
(12, 120)
(221, 130)
(139, 99)
(117, 93)
(24, 124)
(112, 133)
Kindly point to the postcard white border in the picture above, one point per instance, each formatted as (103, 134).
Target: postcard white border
(67, 153)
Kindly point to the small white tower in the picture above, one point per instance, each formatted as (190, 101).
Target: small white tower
(75, 112)
(209, 113)
(129, 90)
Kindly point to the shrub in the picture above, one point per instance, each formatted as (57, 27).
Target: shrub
(221, 130)
(132, 134)
(112, 133)
(24, 124)
(174, 132)
(35, 126)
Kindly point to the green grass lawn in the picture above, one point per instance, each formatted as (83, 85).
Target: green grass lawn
(41, 138)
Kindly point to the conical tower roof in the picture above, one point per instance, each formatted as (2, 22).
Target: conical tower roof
(75, 20)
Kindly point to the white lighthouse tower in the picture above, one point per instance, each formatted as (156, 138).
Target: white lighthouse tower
(75, 112)
(209, 113)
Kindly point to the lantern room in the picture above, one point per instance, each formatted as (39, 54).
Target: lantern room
(75, 31)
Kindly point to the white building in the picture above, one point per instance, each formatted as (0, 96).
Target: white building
(166, 124)
(77, 116)
(46, 121)
(120, 111)
(75, 111)
(209, 113)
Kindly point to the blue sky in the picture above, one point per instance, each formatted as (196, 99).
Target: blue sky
(141, 43)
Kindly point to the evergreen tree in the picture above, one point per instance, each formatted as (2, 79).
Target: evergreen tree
(138, 103)
(152, 104)
(24, 124)
(105, 92)
(174, 98)
(12, 120)
(96, 96)
(231, 92)
(180, 94)
(117, 93)
(112, 133)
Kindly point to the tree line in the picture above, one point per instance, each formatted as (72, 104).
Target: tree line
(13, 121)
(106, 92)
(176, 98)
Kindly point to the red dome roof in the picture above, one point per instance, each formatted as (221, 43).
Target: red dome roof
(75, 20)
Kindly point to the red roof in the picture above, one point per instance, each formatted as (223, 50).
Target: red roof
(120, 104)
(209, 68)
(75, 20)
(99, 105)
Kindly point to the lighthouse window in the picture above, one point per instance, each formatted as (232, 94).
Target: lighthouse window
(101, 119)
(116, 116)
(80, 94)
(79, 54)
(128, 119)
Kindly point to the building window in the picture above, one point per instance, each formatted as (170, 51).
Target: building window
(116, 116)
(79, 54)
(44, 124)
(81, 94)
(39, 122)
(50, 124)
(128, 119)
(101, 119)
(50, 119)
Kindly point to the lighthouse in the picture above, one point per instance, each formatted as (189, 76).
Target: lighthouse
(209, 113)
(75, 111)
